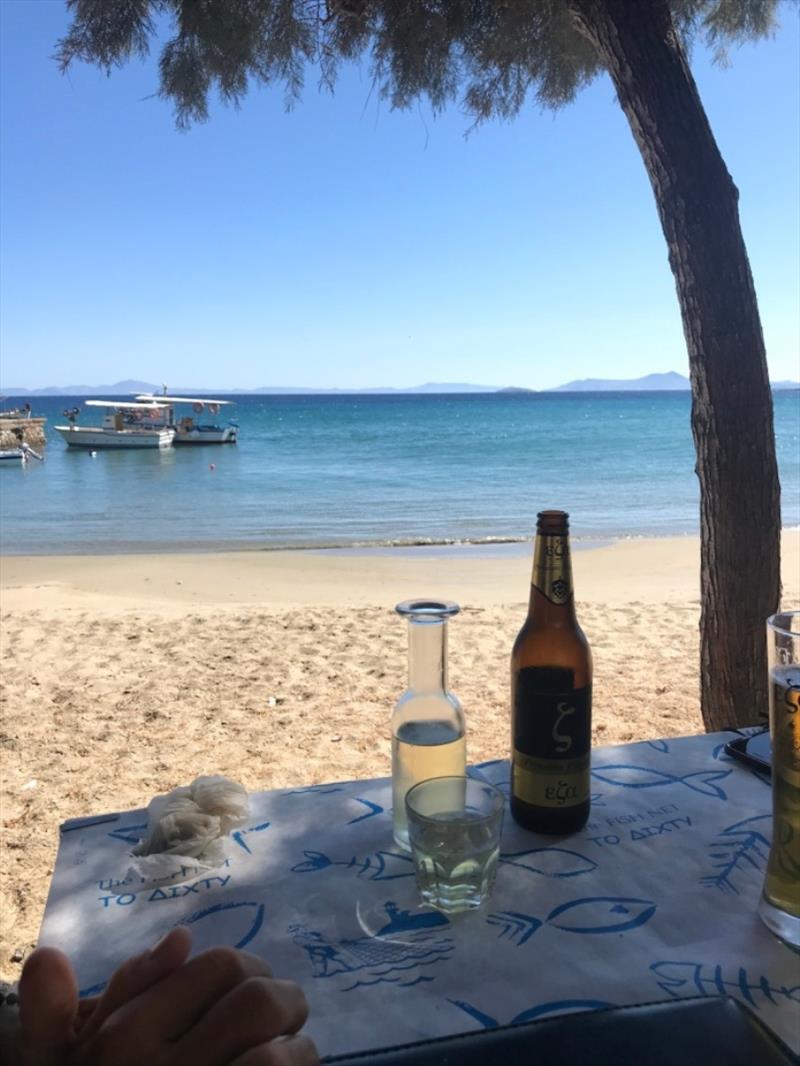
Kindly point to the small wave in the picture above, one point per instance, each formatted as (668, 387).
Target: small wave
(395, 542)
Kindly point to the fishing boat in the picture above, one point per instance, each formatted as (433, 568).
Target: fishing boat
(124, 425)
(15, 412)
(192, 429)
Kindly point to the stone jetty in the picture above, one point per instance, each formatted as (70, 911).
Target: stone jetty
(31, 430)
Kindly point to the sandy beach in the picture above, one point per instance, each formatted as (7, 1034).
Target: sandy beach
(124, 676)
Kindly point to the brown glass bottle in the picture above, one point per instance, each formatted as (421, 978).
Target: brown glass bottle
(551, 694)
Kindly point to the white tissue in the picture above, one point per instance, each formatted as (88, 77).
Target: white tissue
(188, 830)
(223, 798)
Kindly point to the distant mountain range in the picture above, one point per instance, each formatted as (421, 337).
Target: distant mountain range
(669, 382)
(129, 387)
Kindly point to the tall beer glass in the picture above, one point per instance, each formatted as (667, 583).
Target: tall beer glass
(780, 901)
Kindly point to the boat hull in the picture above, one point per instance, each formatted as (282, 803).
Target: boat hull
(12, 457)
(98, 437)
(207, 435)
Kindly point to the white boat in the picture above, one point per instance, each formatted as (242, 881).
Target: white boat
(16, 412)
(18, 456)
(12, 457)
(188, 428)
(124, 425)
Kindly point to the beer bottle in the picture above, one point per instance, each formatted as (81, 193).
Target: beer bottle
(551, 694)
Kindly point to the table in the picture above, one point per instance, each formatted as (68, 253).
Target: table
(654, 900)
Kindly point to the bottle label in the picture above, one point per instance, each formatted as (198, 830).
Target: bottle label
(552, 568)
(551, 743)
(551, 782)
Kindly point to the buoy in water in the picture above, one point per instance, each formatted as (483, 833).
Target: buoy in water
(92, 455)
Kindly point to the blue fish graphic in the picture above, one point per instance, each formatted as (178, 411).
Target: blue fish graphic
(623, 776)
(558, 1006)
(659, 745)
(248, 930)
(372, 810)
(380, 866)
(592, 915)
(590, 912)
(314, 790)
(394, 955)
(239, 835)
(681, 979)
(129, 834)
(550, 862)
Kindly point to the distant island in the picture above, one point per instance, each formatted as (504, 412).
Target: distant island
(668, 382)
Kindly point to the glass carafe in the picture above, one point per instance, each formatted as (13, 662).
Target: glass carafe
(427, 723)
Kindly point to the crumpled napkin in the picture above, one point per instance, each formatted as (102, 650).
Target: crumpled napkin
(188, 830)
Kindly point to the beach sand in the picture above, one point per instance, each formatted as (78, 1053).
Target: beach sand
(125, 676)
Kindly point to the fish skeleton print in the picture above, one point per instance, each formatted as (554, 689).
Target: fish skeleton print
(682, 979)
(739, 849)
(379, 866)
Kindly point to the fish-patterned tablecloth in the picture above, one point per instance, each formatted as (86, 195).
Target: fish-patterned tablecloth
(654, 900)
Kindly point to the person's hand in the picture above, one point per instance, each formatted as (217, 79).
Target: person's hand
(51, 1015)
(222, 1008)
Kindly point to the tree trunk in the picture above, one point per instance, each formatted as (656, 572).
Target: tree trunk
(732, 417)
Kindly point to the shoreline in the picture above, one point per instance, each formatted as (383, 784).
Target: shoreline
(643, 570)
(443, 545)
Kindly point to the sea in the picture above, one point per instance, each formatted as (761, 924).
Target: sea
(379, 472)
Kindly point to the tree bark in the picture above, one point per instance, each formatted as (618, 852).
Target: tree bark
(732, 414)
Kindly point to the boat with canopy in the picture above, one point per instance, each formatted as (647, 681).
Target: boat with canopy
(125, 425)
(193, 428)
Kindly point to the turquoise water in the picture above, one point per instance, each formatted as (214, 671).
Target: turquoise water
(380, 470)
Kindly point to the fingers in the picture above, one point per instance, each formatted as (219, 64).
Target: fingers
(138, 974)
(293, 1051)
(251, 1014)
(179, 1001)
(48, 998)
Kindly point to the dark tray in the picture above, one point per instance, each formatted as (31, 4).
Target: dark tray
(689, 1032)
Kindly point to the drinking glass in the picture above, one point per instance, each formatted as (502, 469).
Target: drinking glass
(454, 826)
(780, 900)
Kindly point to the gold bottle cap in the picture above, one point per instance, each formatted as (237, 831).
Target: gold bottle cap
(554, 522)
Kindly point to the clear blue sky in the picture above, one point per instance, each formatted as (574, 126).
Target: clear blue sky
(346, 245)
